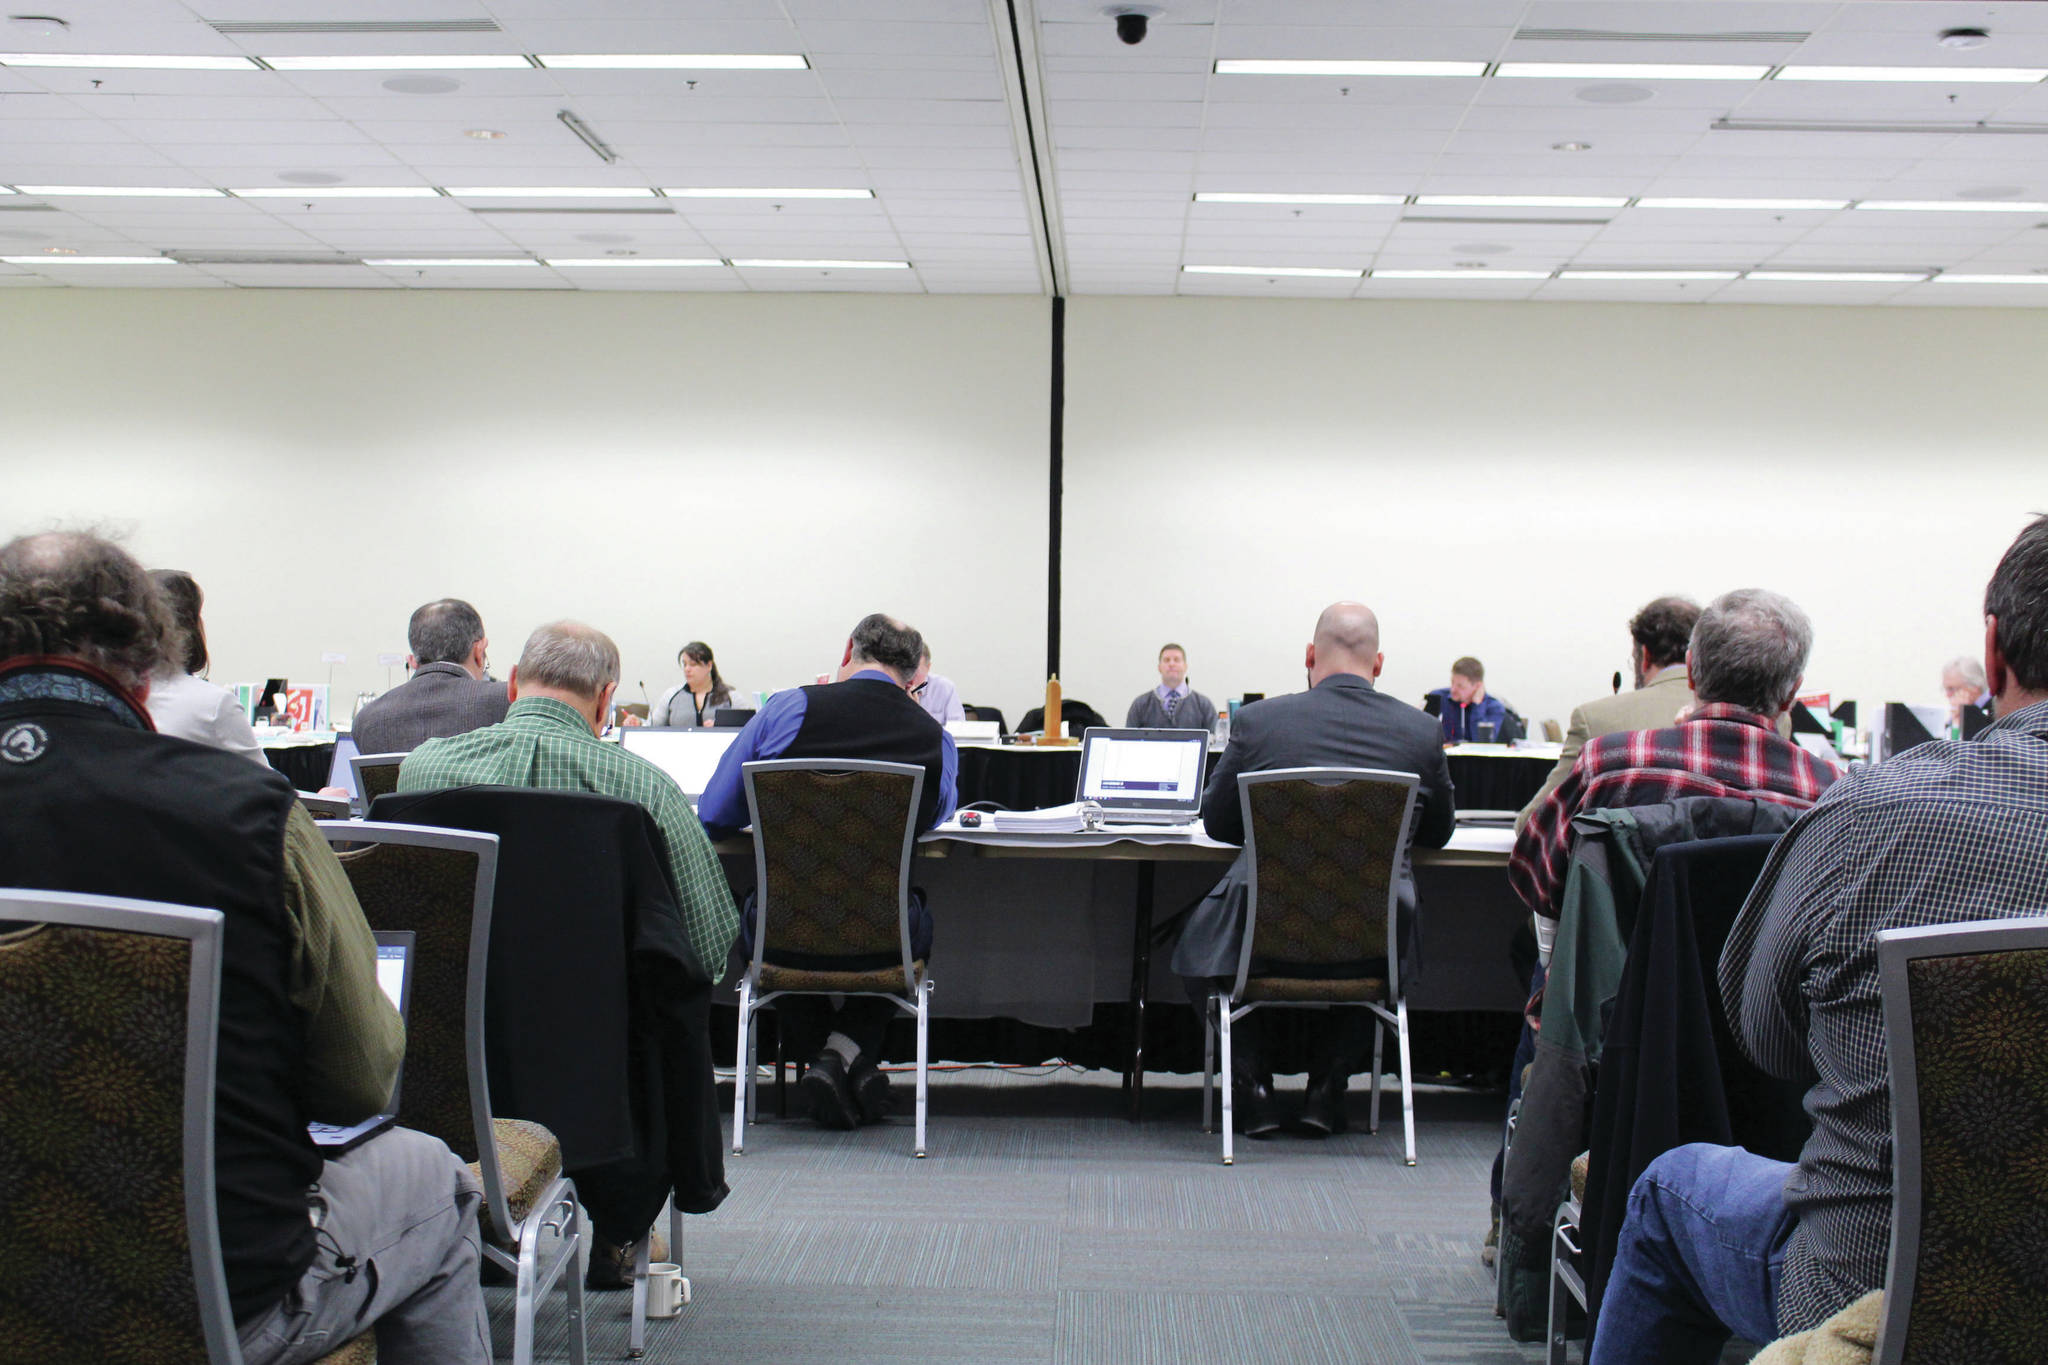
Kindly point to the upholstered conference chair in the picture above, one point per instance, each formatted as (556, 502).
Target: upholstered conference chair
(106, 995)
(1324, 849)
(833, 839)
(438, 883)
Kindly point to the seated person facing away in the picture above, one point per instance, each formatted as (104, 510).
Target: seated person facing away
(694, 703)
(867, 713)
(1658, 637)
(935, 693)
(1172, 704)
(448, 693)
(1745, 663)
(181, 701)
(1465, 706)
(1342, 721)
(97, 802)
(1962, 682)
(1719, 1241)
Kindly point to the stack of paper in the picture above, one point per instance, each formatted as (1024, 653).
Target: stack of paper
(1065, 819)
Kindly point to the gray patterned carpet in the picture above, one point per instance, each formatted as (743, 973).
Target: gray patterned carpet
(1045, 1227)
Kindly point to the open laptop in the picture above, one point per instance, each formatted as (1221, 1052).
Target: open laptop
(394, 976)
(1145, 777)
(690, 757)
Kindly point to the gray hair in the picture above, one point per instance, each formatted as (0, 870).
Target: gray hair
(570, 656)
(1964, 669)
(1749, 649)
(75, 595)
(444, 632)
(884, 640)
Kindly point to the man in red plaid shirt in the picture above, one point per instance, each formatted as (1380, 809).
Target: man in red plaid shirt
(1747, 659)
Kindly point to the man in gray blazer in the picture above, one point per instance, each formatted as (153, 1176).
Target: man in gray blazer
(447, 694)
(1660, 634)
(1342, 721)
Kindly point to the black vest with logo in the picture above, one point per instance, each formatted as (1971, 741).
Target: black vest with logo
(88, 804)
(869, 718)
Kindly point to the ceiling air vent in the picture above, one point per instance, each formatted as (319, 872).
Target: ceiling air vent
(246, 28)
(1610, 35)
(11, 206)
(264, 258)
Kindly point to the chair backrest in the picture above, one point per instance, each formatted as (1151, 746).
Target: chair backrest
(1324, 848)
(107, 1048)
(1965, 1008)
(994, 713)
(833, 839)
(1553, 732)
(439, 884)
(376, 774)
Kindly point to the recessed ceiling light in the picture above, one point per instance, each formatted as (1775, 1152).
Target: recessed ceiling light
(60, 258)
(121, 191)
(1938, 75)
(1303, 271)
(653, 262)
(1571, 146)
(1632, 275)
(1991, 192)
(422, 85)
(1461, 274)
(1522, 201)
(422, 262)
(5, 190)
(1260, 66)
(310, 177)
(1614, 93)
(1838, 276)
(126, 62)
(339, 192)
(1963, 39)
(1233, 197)
(1951, 206)
(550, 191)
(476, 61)
(741, 192)
(1991, 279)
(1630, 71)
(42, 25)
(483, 134)
(1758, 205)
(758, 264)
(676, 61)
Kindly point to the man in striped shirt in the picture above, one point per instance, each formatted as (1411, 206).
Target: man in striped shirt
(1747, 659)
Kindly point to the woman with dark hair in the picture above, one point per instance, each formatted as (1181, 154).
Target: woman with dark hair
(696, 700)
(181, 702)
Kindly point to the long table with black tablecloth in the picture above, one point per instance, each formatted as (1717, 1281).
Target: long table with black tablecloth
(307, 765)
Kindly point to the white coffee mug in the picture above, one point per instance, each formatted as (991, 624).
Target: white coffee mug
(664, 1289)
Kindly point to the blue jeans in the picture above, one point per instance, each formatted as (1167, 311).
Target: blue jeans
(1699, 1258)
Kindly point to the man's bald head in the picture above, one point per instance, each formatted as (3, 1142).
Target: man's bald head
(1347, 640)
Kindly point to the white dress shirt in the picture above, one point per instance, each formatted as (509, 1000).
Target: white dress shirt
(190, 707)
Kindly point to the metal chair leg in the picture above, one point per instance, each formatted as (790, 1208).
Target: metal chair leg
(636, 1338)
(924, 1010)
(1379, 1040)
(1208, 1062)
(739, 1069)
(1407, 1079)
(1229, 1119)
(781, 1071)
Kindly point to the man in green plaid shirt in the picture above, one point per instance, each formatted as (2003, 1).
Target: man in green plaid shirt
(561, 691)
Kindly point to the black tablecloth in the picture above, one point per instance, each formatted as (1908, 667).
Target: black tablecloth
(1505, 782)
(307, 765)
(1019, 778)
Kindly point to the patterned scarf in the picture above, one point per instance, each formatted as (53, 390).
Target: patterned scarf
(46, 679)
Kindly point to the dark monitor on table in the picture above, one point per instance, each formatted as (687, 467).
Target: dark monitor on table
(1845, 713)
(1807, 721)
(265, 706)
(1250, 697)
(731, 717)
(1433, 704)
(1903, 728)
(1975, 718)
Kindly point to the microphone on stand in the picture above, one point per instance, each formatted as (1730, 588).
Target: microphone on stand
(1617, 680)
(650, 705)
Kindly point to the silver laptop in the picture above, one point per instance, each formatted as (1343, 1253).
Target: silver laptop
(690, 756)
(394, 976)
(1144, 777)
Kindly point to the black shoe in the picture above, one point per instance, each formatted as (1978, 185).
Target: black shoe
(1252, 1103)
(870, 1091)
(1322, 1109)
(824, 1085)
(611, 1265)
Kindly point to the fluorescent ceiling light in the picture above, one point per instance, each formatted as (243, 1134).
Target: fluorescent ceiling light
(821, 265)
(1631, 71)
(88, 260)
(5, 190)
(1304, 271)
(423, 262)
(129, 62)
(338, 192)
(121, 191)
(1760, 205)
(492, 61)
(1261, 66)
(1221, 197)
(550, 192)
(740, 192)
(599, 261)
(1461, 274)
(1939, 75)
(1952, 206)
(676, 61)
(1991, 279)
(1837, 276)
(1648, 274)
(1522, 201)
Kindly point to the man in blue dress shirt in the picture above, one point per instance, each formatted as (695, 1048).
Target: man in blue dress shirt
(866, 713)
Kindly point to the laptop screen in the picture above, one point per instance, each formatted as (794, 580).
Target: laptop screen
(1143, 769)
(342, 774)
(392, 960)
(688, 756)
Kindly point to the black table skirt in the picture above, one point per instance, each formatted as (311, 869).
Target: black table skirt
(1019, 779)
(1497, 783)
(307, 765)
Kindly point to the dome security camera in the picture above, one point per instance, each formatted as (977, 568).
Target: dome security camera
(1131, 26)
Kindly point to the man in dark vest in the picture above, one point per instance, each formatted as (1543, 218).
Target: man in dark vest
(96, 802)
(867, 713)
